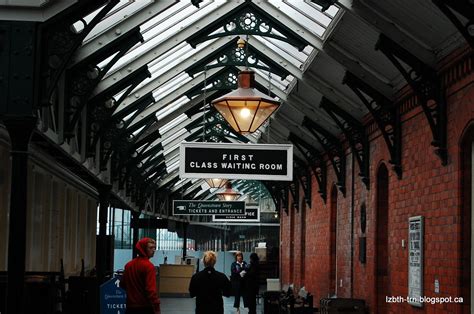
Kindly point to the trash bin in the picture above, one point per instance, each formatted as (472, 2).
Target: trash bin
(342, 305)
(271, 304)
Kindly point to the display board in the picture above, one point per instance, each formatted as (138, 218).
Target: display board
(415, 260)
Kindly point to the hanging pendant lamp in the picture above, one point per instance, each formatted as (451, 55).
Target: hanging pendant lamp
(216, 183)
(246, 108)
(229, 194)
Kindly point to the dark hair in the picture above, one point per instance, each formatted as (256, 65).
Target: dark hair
(254, 258)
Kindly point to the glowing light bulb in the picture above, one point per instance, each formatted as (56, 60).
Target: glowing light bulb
(245, 113)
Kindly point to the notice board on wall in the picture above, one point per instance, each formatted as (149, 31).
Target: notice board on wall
(415, 260)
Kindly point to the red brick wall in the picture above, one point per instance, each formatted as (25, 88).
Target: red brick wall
(427, 188)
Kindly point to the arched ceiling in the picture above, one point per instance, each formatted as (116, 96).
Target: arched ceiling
(156, 65)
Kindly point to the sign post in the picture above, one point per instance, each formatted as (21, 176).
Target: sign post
(113, 299)
(236, 161)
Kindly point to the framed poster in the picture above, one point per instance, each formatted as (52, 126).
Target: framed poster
(415, 260)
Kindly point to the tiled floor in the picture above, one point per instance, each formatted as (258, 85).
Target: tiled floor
(187, 306)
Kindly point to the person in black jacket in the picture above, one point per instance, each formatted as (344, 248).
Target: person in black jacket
(208, 286)
(251, 284)
(237, 272)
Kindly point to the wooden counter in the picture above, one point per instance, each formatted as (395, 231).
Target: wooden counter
(174, 280)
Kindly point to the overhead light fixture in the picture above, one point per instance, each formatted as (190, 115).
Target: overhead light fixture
(229, 194)
(246, 108)
(216, 183)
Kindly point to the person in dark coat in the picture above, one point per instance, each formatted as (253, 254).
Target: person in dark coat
(237, 272)
(208, 286)
(251, 284)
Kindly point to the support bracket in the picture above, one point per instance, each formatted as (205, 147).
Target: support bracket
(315, 161)
(333, 148)
(294, 188)
(61, 42)
(283, 187)
(386, 116)
(464, 8)
(427, 86)
(355, 134)
(273, 191)
(305, 178)
(84, 77)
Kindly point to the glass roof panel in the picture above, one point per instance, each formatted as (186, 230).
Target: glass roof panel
(167, 68)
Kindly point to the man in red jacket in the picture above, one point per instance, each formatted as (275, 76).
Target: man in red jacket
(139, 280)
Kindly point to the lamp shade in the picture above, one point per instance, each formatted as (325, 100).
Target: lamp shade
(229, 194)
(246, 108)
(216, 183)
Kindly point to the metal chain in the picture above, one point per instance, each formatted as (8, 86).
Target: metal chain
(204, 105)
(269, 94)
(247, 52)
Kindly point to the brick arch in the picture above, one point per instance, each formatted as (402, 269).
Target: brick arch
(382, 285)
(466, 180)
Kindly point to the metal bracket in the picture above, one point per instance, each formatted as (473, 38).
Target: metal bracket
(305, 178)
(116, 136)
(464, 8)
(272, 190)
(294, 188)
(325, 4)
(333, 148)
(62, 42)
(427, 86)
(248, 19)
(355, 134)
(315, 161)
(386, 116)
(100, 111)
(84, 76)
(284, 197)
(231, 55)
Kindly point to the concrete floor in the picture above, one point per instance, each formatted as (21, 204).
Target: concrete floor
(187, 306)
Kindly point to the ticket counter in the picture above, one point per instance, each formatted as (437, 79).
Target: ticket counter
(174, 280)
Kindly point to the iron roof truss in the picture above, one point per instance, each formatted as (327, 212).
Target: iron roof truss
(61, 41)
(249, 19)
(231, 55)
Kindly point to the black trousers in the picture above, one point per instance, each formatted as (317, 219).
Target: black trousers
(251, 300)
(237, 289)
